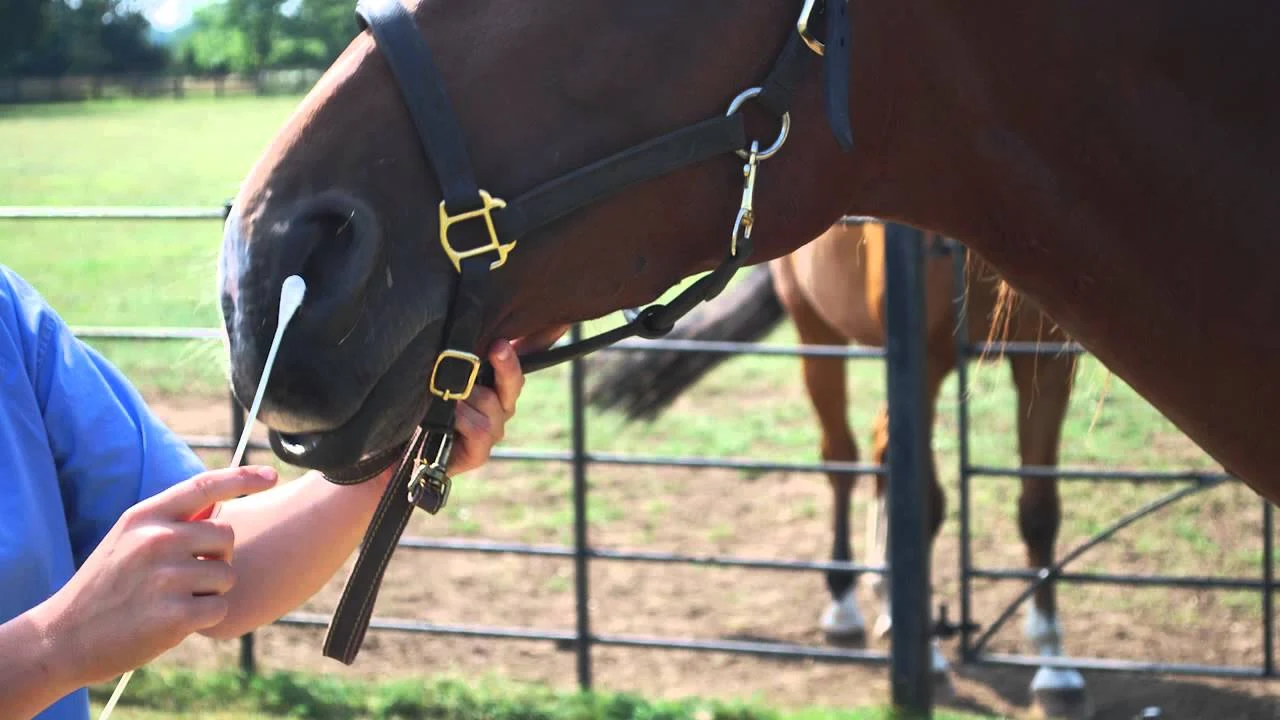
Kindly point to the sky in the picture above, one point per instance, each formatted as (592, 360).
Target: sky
(168, 14)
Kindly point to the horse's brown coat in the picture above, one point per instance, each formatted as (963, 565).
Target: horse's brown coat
(1113, 160)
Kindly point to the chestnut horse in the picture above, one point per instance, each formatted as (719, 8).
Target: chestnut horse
(833, 291)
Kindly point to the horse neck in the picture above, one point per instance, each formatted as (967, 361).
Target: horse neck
(1101, 178)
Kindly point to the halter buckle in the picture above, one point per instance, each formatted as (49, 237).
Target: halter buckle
(427, 477)
(488, 205)
(429, 473)
(448, 394)
(802, 27)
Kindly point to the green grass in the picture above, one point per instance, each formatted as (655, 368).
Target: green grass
(190, 152)
(225, 695)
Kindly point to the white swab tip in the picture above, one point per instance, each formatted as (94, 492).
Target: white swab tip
(291, 294)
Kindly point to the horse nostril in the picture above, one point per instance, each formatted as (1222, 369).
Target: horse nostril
(339, 248)
(334, 239)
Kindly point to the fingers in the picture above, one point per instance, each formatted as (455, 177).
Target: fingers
(508, 377)
(476, 436)
(206, 611)
(540, 340)
(208, 539)
(197, 577)
(475, 426)
(201, 491)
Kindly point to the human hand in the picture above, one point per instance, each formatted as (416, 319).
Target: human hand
(155, 578)
(481, 419)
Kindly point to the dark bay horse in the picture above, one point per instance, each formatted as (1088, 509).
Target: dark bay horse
(498, 168)
(832, 289)
(1102, 156)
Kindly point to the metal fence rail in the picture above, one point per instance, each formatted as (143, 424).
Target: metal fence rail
(910, 624)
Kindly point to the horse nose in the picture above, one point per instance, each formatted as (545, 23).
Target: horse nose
(334, 242)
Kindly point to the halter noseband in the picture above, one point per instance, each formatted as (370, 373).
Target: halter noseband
(478, 232)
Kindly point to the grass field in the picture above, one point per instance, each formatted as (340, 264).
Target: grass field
(227, 696)
(193, 152)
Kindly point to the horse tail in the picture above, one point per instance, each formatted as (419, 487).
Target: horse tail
(643, 383)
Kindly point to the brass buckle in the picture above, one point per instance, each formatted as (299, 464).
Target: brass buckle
(428, 477)
(448, 394)
(486, 210)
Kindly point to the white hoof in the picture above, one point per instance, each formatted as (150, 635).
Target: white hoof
(842, 622)
(940, 664)
(883, 625)
(1057, 693)
(943, 689)
(1048, 678)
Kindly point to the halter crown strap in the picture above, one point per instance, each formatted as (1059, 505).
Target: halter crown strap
(424, 94)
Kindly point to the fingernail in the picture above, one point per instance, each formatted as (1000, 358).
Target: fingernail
(504, 350)
(266, 472)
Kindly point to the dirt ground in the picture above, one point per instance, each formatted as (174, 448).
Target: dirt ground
(769, 516)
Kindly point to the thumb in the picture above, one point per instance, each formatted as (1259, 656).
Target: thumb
(202, 491)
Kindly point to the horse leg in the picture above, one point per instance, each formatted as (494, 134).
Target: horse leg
(1043, 386)
(824, 381)
(939, 364)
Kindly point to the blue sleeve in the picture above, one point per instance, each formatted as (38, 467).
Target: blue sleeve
(110, 449)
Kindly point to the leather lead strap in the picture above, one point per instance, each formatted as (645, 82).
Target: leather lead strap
(355, 607)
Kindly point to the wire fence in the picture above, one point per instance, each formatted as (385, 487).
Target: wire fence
(909, 546)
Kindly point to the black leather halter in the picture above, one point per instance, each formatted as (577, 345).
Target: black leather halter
(478, 232)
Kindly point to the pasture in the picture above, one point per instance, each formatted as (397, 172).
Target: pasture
(193, 152)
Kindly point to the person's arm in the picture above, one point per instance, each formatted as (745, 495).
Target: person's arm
(33, 671)
(290, 540)
(155, 579)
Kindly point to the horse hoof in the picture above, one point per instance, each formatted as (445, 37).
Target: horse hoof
(1062, 703)
(850, 638)
(842, 622)
(884, 624)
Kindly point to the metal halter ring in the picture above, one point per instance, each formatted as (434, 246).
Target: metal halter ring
(778, 142)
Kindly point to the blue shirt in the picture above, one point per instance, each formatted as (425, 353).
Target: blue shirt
(78, 446)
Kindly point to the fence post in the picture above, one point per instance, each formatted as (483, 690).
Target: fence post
(247, 664)
(580, 539)
(238, 419)
(1268, 590)
(910, 668)
(963, 351)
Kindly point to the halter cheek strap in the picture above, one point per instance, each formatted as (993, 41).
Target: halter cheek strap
(477, 233)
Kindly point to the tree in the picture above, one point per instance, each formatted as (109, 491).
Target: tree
(125, 43)
(23, 25)
(215, 44)
(330, 25)
(90, 36)
(258, 20)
